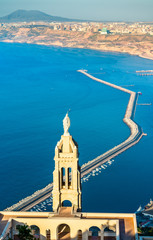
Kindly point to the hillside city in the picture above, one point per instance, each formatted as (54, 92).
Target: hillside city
(94, 27)
(134, 38)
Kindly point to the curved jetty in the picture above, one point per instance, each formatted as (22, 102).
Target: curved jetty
(135, 136)
(131, 104)
(136, 131)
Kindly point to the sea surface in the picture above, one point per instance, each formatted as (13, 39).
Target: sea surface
(38, 85)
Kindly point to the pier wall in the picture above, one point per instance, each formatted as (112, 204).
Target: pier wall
(135, 131)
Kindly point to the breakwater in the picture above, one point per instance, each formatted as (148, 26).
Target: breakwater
(136, 131)
(130, 107)
(144, 71)
(135, 136)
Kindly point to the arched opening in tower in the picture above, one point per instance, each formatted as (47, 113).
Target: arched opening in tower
(63, 177)
(94, 233)
(63, 232)
(48, 234)
(79, 237)
(35, 230)
(110, 232)
(70, 178)
(66, 203)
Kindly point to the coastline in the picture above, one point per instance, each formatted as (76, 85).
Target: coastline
(17, 50)
(59, 44)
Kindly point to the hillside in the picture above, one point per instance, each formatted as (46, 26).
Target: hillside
(32, 15)
(141, 45)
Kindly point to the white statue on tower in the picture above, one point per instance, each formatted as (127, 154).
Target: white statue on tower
(66, 125)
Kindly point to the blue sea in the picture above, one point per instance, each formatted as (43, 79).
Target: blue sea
(38, 85)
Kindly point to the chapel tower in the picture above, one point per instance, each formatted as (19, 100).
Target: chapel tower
(66, 176)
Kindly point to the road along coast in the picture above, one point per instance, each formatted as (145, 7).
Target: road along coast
(136, 134)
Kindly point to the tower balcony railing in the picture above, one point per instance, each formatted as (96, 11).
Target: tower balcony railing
(66, 155)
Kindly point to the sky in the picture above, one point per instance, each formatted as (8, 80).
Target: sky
(101, 10)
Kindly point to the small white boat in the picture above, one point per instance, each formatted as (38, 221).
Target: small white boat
(103, 167)
(139, 209)
(109, 162)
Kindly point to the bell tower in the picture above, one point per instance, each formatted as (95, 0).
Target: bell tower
(66, 176)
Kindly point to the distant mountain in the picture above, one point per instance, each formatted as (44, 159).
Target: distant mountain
(32, 16)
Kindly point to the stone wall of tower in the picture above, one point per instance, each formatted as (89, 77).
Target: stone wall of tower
(66, 167)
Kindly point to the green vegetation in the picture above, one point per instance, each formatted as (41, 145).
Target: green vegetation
(145, 231)
(24, 232)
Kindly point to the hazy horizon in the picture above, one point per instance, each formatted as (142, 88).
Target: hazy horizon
(97, 10)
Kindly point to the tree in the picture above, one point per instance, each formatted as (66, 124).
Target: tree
(24, 232)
